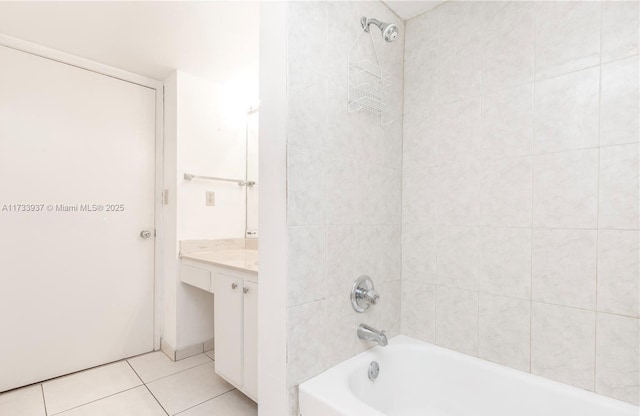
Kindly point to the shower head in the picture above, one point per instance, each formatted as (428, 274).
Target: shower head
(389, 30)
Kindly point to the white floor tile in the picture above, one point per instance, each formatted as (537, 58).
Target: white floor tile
(233, 403)
(156, 365)
(135, 402)
(211, 354)
(22, 402)
(77, 389)
(189, 388)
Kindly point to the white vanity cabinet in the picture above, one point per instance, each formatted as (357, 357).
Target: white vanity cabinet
(250, 347)
(235, 320)
(229, 327)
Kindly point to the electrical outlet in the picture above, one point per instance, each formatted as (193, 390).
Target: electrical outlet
(211, 198)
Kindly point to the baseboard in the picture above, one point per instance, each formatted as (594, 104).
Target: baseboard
(185, 352)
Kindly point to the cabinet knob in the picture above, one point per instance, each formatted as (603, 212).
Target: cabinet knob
(234, 285)
(245, 290)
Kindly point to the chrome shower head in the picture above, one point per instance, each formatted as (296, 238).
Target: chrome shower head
(389, 30)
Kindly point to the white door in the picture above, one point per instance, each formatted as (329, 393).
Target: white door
(76, 189)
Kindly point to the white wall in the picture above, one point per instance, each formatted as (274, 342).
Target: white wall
(521, 180)
(205, 135)
(272, 304)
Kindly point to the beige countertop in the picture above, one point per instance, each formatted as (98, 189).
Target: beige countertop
(239, 259)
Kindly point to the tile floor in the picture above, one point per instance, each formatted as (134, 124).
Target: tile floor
(147, 385)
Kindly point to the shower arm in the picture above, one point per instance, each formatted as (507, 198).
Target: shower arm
(366, 22)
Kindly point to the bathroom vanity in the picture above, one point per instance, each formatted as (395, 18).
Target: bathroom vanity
(232, 276)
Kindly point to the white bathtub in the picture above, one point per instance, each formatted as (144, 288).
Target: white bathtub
(420, 379)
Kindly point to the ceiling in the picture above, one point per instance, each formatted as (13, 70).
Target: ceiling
(410, 9)
(212, 40)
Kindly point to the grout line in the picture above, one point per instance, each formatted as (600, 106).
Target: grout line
(134, 371)
(156, 399)
(208, 400)
(595, 323)
(172, 374)
(44, 401)
(97, 400)
(533, 187)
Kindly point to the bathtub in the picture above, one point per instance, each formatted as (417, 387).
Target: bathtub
(420, 379)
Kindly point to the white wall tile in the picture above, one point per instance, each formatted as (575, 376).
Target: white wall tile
(620, 99)
(457, 319)
(509, 45)
(620, 24)
(505, 261)
(342, 320)
(376, 144)
(340, 141)
(564, 267)
(458, 257)
(391, 309)
(306, 347)
(507, 122)
(504, 335)
(506, 198)
(512, 160)
(562, 341)
(459, 69)
(379, 194)
(421, 34)
(619, 193)
(567, 36)
(419, 310)
(422, 72)
(619, 272)
(342, 254)
(342, 197)
(420, 138)
(420, 193)
(565, 189)
(419, 252)
(566, 111)
(459, 20)
(618, 357)
(306, 268)
(343, 29)
(307, 46)
(459, 130)
(305, 186)
(307, 122)
(379, 252)
(459, 190)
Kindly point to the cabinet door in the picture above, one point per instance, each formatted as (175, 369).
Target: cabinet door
(250, 386)
(228, 327)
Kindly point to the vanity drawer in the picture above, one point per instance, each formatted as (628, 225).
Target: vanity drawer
(199, 278)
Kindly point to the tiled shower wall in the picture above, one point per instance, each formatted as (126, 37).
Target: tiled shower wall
(520, 187)
(344, 187)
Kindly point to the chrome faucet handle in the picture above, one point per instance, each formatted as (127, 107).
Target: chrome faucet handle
(372, 297)
(363, 294)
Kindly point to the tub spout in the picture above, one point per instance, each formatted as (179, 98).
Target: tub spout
(368, 333)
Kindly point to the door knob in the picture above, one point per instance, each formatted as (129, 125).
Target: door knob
(234, 285)
(145, 234)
